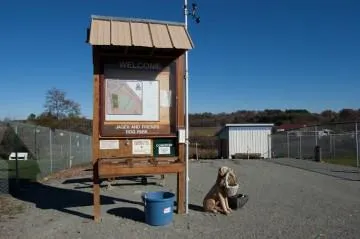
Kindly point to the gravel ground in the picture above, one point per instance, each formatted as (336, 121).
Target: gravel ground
(284, 202)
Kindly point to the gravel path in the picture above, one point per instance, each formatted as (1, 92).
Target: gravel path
(284, 202)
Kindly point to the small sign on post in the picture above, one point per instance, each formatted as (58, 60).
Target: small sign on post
(18, 156)
(141, 146)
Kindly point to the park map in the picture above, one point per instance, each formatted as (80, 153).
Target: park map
(125, 97)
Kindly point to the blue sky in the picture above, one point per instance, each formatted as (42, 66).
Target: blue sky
(248, 54)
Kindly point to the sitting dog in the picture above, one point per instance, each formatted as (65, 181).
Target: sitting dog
(216, 199)
(109, 181)
(162, 178)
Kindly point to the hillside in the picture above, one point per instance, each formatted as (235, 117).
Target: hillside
(207, 124)
(278, 117)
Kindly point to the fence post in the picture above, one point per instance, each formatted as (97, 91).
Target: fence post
(334, 145)
(288, 144)
(50, 148)
(357, 144)
(269, 147)
(300, 156)
(35, 143)
(70, 163)
(197, 154)
(16, 155)
(330, 145)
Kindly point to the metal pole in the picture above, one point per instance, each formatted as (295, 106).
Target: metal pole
(316, 136)
(186, 115)
(357, 144)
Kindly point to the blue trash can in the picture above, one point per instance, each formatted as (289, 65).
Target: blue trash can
(158, 207)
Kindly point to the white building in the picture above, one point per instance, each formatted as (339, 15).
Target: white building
(245, 139)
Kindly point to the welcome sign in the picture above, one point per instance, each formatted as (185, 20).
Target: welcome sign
(140, 65)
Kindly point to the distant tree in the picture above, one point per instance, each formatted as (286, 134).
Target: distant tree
(348, 115)
(59, 106)
(6, 119)
(31, 117)
(297, 111)
(328, 116)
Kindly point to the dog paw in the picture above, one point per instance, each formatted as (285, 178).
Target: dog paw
(227, 212)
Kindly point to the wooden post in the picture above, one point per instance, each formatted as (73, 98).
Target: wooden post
(181, 124)
(95, 138)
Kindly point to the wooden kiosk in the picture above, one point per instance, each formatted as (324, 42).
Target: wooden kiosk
(138, 107)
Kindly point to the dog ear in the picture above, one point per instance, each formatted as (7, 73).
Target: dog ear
(223, 170)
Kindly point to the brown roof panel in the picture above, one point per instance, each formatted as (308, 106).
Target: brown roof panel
(179, 37)
(138, 32)
(100, 32)
(160, 36)
(117, 33)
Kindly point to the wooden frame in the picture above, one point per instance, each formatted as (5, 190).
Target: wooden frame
(169, 130)
(121, 162)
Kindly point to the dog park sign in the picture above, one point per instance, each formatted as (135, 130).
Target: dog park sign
(138, 101)
(138, 129)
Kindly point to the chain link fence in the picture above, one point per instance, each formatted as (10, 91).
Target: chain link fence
(40, 150)
(337, 143)
(4, 177)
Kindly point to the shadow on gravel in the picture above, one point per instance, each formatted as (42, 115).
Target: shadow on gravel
(89, 179)
(138, 215)
(87, 182)
(197, 208)
(131, 213)
(60, 199)
(191, 206)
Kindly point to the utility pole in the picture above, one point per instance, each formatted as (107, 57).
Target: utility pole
(197, 20)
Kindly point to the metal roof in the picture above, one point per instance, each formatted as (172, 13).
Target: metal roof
(116, 31)
(249, 125)
(244, 125)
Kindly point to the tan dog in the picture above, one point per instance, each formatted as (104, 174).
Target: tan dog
(216, 199)
(109, 181)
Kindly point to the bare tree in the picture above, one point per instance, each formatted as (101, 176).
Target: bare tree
(59, 106)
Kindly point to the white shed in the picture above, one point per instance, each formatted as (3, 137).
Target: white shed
(245, 139)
